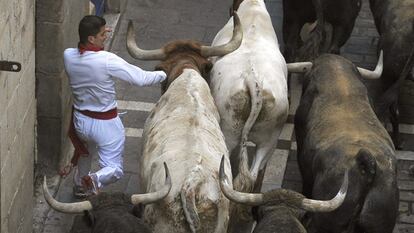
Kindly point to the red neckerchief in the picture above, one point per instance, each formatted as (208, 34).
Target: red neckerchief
(89, 47)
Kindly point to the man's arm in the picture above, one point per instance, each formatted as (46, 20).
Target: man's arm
(118, 67)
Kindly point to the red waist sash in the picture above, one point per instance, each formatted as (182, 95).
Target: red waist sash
(80, 146)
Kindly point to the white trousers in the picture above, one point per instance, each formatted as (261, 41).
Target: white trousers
(105, 138)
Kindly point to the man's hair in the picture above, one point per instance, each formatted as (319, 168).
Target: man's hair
(90, 25)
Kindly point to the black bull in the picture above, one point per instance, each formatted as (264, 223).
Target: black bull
(112, 212)
(394, 20)
(339, 14)
(109, 212)
(337, 130)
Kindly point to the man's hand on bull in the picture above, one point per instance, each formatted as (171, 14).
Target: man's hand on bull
(108, 31)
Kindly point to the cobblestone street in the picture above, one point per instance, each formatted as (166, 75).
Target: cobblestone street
(160, 21)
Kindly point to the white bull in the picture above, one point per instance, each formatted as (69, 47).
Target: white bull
(249, 85)
(183, 130)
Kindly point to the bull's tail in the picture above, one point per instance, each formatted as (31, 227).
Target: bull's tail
(392, 93)
(316, 37)
(244, 180)
(408, 68)
(188, 201)
(366, 165)
(255, 87)
(240, 215)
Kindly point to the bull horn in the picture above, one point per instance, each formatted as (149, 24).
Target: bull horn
(299, 67)
(307, 28)
(368, 74)
(233, 44)
(154, 196)
(236, 196)
(138, 53)
(330, 205)
(256, 199)
(70, 208)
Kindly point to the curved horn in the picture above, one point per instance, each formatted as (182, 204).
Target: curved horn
(138, 53)
(70, 208)
(368, 74)
(299, 67)
(330, 205)
(236, 196)
(255, 199)
(233, 44)
(154, 196)
(307, 28)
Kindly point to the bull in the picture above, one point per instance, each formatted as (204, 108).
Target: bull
(249, 87)
(336, 20)
(110, 212)
(183, 129)
(337, 130)
(394, 21)
(279, 209)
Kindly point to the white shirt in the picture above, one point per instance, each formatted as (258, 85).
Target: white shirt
(90, 77)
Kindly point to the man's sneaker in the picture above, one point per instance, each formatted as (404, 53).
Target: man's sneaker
(89, 187)
(90, 184)
(79, 192)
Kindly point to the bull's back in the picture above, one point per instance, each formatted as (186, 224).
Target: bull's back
(258, 59)
(335, 108)
(183, 131)
(353, 121)
(230, 76)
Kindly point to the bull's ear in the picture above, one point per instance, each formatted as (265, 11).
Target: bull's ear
(208, 66)
(89, 217)
(166, 69)
(138, 210)
(164, 86)
(366, 164)
(255, 213)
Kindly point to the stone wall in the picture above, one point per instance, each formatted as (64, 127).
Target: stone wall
(56, 29)
(17, 115)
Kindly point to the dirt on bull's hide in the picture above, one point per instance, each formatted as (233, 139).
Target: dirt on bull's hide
(194, 122)
(268, 106)
(241, 104)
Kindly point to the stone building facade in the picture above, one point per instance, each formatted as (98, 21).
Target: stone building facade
(17, 115)
(35, 101)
